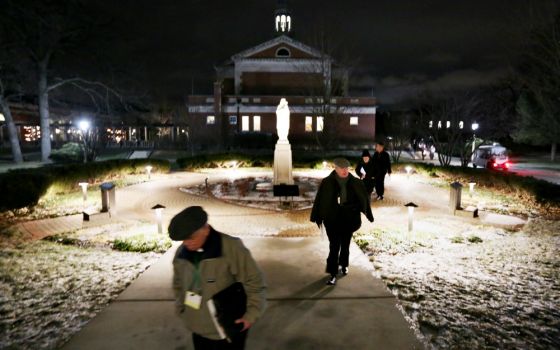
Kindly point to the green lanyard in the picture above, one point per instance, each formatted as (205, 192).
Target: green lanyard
(196, 276)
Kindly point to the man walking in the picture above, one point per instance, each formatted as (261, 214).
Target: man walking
(206, 263)
(340, 200)
(382, 166)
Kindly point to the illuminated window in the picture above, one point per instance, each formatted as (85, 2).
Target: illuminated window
(257, 100)
(232, 100)
(308, 124)
(439, 124)
(210, 120)
(461, 124)
(320, 124)
(354, 101)
(31, 133)
(333, 100)
(320, 100)
(353, 120)
(448, 124)
(2, 119)
(245, 100)
(431, 124)
(245, 123)
(232, 120)
(309, 100)
(256, 123)
(210, 100)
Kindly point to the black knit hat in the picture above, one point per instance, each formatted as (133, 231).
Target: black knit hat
(365, 153)
(186, 222)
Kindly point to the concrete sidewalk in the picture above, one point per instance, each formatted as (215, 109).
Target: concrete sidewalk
(302, 312)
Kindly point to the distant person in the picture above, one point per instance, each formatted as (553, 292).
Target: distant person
(340, 200)
(382, 165)
(364, 170)
(206, 263)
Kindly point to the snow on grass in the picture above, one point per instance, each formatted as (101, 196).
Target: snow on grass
(465, 286)
(48, 291)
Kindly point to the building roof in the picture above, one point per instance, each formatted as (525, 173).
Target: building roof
(282, 39)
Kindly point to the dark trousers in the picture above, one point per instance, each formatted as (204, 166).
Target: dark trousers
(369, 183)
(380, 185)
(237, 343)
(339, 247)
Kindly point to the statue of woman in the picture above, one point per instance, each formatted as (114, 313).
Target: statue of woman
(283, 120)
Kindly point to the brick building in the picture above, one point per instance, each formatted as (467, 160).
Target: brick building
(242, 111)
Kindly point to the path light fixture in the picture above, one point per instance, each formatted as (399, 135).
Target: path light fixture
(159, 209)
(325, 164)
(471, 186)
(149, 171)
(84, 186)
(408, 169)
(410, 207)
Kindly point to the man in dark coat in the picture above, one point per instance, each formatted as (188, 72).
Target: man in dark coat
(340, 200)
(382, 166)
(365, 171)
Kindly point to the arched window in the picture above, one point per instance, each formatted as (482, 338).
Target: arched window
(283, 52)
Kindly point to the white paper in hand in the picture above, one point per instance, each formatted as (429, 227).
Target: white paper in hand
(362, 171)
(323, 232)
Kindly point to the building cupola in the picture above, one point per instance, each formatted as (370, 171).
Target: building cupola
(282, 18)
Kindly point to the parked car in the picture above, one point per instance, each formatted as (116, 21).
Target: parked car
(494, 157)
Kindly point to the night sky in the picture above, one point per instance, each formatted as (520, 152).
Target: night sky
(397, 47)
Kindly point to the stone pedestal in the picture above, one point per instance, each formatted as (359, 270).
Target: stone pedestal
(283, 163)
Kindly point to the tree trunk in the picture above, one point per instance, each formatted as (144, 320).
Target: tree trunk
(12, 132)
(553, 152)
(43, 94)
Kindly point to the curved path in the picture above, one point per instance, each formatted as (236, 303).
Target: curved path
(303, 313)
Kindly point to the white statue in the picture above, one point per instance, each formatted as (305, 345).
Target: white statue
(283, 120)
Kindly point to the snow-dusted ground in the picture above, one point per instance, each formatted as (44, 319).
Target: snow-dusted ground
(48, 291)
(503, 292)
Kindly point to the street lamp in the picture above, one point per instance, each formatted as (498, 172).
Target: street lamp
(84, 186)
(84, 127)
(410, 207)
(149, 171)
(159, 209)
(474, 127)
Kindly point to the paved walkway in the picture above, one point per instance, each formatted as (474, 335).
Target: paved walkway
(302, 313)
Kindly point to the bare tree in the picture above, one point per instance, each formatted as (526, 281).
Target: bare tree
(9, 89)
(539, 105)
(448, 122)
(43, 30)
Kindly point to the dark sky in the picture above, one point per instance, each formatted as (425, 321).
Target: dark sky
(398, 47)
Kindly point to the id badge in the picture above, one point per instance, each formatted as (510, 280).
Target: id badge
(193, 300)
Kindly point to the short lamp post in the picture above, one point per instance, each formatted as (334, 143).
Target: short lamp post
(159, 209)
(84, 126)
(324, 165)
(474, 127)
(149, 171)
(84, 186)
(471, 187)
(410, 207)
(408, 169)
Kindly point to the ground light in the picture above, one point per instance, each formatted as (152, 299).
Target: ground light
(149, 171)
(471, 187)
(410, 207)
(408, 169)
(84, 186)
(324, 164)
(159, 209)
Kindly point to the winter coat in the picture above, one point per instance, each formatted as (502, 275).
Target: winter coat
(370, 174)
(381, 163)
(225, 260)
(327, 208)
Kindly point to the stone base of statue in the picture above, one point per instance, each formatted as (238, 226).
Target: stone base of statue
(283, 163)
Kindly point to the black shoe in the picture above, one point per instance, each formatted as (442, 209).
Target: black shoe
(332, 280)
(344, 270)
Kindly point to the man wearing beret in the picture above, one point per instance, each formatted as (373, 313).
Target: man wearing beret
(206, 263)
(340, 200)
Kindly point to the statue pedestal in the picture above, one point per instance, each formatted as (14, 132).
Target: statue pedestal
(283, 163)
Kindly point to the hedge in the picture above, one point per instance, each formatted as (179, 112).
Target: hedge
(543, 192)
(24, 187)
